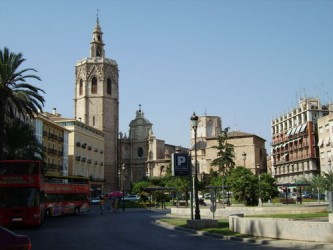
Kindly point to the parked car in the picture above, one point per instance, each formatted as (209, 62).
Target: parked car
(95, 201)
(11, 240)
(131, 197)
(307, 195)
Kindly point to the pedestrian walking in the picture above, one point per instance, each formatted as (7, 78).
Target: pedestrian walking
(101, 204)
(114, 205)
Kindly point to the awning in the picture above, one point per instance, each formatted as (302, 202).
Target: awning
(320, 142)
(298, 129)
(288, 132)
(293, 131)
(303, 128)
(285, 155)
(328, 141)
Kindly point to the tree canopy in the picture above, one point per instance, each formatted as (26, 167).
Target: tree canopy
(15, 92)
(225, 154)
(20, 142)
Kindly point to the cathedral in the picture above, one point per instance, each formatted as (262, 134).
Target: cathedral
(97, 100)
(133, 157)
(97, 105)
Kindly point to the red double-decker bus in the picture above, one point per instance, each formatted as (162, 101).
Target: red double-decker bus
(26, 195)
(66, 195)
(21, 193)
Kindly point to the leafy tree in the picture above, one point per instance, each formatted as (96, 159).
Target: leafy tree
(244, 185)
(15, 91)
(20, 142)
(267, 188)
(225, 154)
(320, 183)
(140, 184)
(181, 185)
(328, 181)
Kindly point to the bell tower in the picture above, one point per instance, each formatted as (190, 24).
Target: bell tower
(97, 100)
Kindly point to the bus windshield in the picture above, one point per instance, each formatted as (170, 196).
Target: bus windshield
(18, 197)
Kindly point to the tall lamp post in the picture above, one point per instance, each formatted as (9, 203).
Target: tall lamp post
(244, 158)
(330, 173)
(259, 184)
(194, 120)
(123, 170)
(330, 191)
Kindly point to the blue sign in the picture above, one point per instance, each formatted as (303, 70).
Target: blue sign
(180, 164)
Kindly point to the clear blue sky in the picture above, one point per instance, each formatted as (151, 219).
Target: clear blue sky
(245, 61)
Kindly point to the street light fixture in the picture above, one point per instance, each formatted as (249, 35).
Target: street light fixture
(258, 173)
(123, 170)
(330, 191)
(244, 158)
(194, 121)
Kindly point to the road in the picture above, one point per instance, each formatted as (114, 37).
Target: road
(125, 230)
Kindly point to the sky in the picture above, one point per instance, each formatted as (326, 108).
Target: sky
(245, 61)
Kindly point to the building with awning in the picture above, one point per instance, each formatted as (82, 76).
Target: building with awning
(296, 140)
(325, 145)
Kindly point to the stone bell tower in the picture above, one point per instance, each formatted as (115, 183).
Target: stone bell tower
(97, 100)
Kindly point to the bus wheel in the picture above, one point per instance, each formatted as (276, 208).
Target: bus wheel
(77, 211)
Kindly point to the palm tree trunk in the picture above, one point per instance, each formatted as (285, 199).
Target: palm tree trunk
(2, 125)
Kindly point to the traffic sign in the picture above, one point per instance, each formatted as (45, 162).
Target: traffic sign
(180, 164)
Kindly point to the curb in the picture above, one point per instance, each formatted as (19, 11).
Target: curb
(254, 240)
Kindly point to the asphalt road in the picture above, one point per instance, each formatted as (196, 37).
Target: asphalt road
(125, 230)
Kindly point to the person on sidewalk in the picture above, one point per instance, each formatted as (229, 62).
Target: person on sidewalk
(101, 204)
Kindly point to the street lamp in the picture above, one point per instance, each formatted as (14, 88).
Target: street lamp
(244, 158)
(123, 170)
(330, 191)
(194, 121)
(258, 173)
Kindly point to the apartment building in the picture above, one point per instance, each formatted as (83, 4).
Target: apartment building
(85, 150)
(295, 154)
(54, 139)
(325, 142)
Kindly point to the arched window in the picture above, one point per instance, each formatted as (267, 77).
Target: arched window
(80, 87)
(108, 87)
(94, 85)
(140, 152)
(210, 129)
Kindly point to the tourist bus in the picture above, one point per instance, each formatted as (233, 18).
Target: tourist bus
(65, 195)
(21, 193)
(26, 195)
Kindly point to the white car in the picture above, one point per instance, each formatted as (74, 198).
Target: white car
(131, 197)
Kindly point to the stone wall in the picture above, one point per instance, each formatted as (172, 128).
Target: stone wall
(283, 229)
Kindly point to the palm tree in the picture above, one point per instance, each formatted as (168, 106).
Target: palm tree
(20, 142)
(15, 91)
